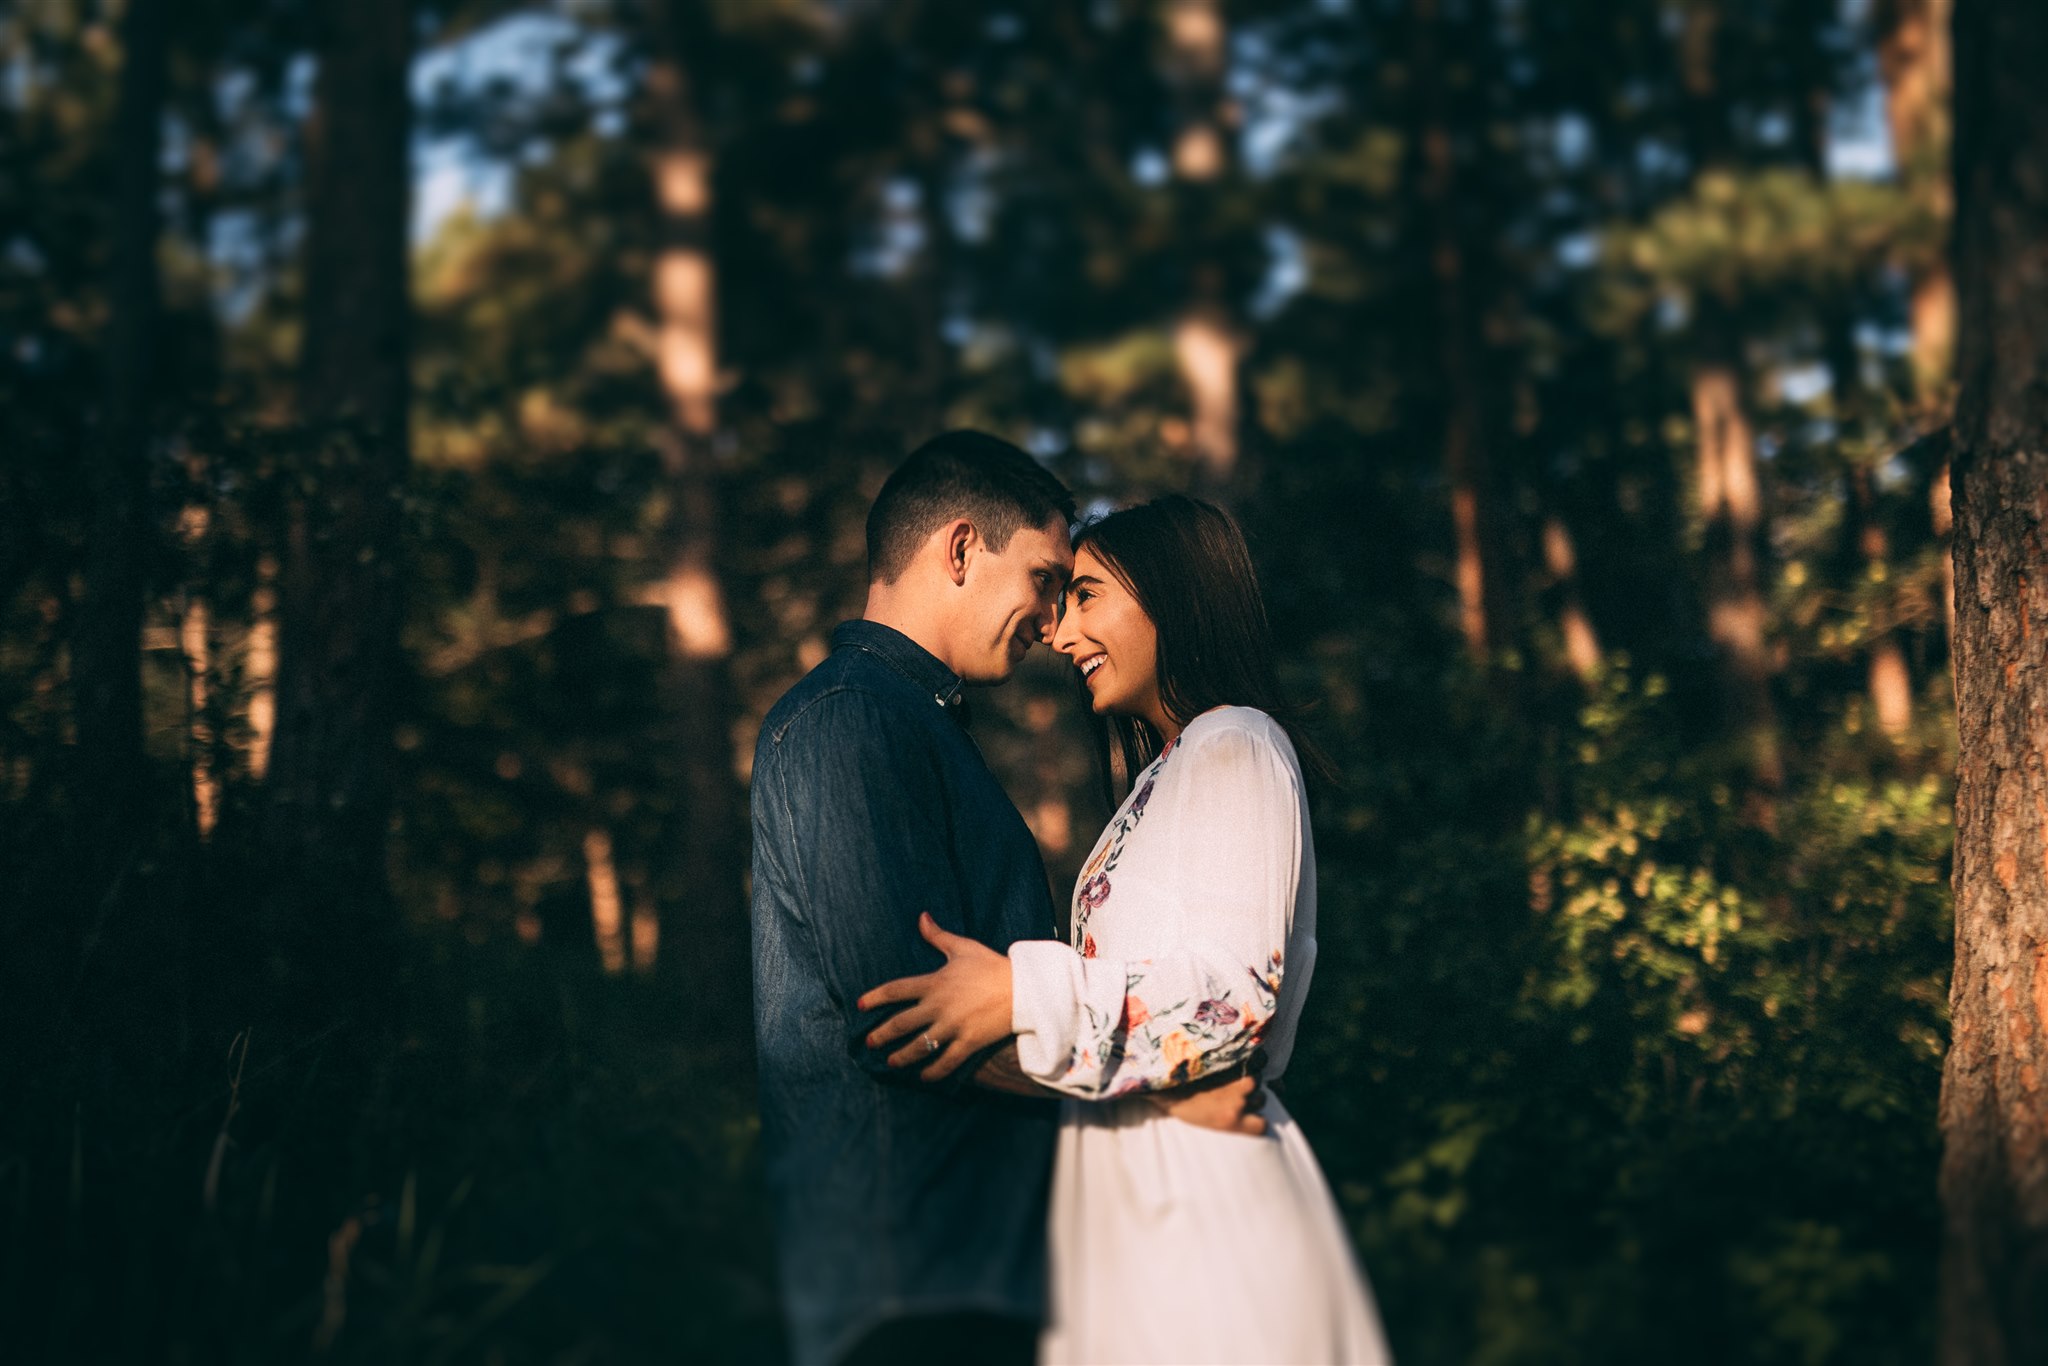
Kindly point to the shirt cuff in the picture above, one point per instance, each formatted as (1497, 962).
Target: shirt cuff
(1045, 982)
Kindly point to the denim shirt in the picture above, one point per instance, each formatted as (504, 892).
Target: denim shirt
(892, 1196)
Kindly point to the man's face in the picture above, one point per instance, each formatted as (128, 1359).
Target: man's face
(1010, 601)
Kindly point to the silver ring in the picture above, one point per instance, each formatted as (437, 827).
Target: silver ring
(931, 1045)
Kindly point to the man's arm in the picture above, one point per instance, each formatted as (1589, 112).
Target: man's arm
(1000, 1071)
(1228, 1103)
(864, 808)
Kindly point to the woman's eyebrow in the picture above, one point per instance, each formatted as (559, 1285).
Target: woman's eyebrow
(1085, 581)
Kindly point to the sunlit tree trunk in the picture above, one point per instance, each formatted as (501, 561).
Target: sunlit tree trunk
(1994, 1094)
(1731, 511)
(1561, 560)
(1729, 483)
(1891, 682)
(330, 771)
(1941, 515)
(1452, 343)
(1914, 55)
(107, 648)
(607, 907)
(712, 927)
(195, 643)
(1208, 337)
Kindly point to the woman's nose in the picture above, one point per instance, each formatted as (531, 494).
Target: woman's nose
(1064, 635)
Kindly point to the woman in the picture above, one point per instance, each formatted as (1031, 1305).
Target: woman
(1193, 939)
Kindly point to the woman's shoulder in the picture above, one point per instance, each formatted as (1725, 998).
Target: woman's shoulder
(1242, 731)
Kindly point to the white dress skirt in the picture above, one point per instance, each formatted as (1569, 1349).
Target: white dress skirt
(1193, 942)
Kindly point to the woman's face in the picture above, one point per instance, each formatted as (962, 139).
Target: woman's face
(1112, 642)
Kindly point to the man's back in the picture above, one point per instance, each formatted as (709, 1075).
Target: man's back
(871, 805)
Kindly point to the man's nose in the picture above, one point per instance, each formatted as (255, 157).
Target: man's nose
(1048, 620)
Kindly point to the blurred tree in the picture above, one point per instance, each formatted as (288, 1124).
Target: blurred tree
(1208, 338)
(341, 674)
(1915, 56)
(682, 162)
(107, 668)
(1730, 485)
(1994, 1101)
(1451, 87)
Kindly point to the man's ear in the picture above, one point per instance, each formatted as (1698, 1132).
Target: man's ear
(960, 539)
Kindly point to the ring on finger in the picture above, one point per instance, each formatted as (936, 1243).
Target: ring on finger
(931, 1045)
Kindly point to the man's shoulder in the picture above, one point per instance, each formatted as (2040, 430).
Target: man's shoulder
(844, 692)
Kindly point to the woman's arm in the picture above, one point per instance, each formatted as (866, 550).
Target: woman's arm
(1098, 1029)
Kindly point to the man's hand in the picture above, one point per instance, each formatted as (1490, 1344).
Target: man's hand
(1229, 1104)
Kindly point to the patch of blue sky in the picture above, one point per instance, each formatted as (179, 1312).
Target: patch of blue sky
(1286, 271)
(517, 57)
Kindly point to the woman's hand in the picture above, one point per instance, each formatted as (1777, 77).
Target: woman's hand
(953, 1013)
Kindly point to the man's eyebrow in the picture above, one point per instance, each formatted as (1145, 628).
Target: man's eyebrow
(1055, 568)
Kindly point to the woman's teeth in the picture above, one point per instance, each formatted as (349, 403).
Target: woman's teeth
(1092, 663)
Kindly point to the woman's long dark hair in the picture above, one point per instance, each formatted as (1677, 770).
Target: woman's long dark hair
(1187, 563)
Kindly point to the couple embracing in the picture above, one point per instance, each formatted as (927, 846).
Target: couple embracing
(985, 1143)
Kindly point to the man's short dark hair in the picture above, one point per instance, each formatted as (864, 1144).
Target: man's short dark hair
(961, 474)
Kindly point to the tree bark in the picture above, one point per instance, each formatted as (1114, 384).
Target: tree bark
(107, 649)
(1994, 1097)
(340, 671)
(712, 922)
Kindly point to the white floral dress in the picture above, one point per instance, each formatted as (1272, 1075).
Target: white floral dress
(1193, 940)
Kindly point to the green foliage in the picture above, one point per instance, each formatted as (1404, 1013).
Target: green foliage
(1667, 1089)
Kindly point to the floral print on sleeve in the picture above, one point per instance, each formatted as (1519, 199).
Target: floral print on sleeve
(1181, 1019)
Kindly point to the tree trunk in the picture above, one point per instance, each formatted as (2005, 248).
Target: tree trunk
(1561, 559)
(195, 643)
(1730, 491)
(1485, 619)
(107, 649)
(712, 923)
(1731, 509)
(1914, 58)
(1891, 682)
(1208, 338)
(340, 670)
(1994, 1095)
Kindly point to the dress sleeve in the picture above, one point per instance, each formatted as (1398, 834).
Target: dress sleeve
(1097, 1028)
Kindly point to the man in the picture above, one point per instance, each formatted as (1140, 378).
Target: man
(911, 1215)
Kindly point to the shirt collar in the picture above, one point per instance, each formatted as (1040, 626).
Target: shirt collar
(906, 656)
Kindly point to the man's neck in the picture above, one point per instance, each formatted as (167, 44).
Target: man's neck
(888, 609)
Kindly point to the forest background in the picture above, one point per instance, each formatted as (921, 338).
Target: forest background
(435, 432)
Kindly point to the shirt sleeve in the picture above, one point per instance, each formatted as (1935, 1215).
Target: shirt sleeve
(868, 840)
(1098, 1028)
